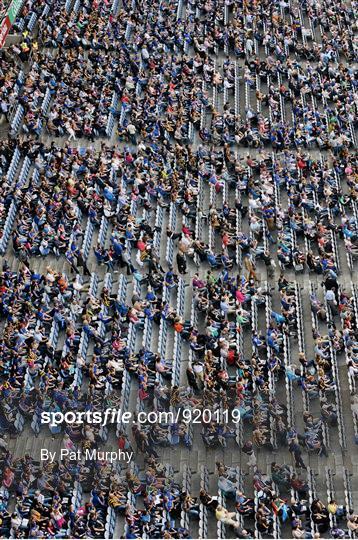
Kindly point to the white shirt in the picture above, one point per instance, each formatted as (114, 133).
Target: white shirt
(330, 296)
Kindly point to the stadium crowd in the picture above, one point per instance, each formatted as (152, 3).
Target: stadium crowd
(147, 79)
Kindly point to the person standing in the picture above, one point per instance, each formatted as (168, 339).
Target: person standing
(82, 262)
(297, 454)
(70, 256)
(331, 301)
(71, 132)
(181, 262)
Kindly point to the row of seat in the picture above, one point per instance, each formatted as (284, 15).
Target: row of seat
(177, 353)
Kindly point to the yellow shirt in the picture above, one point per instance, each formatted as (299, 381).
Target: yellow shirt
(220, 514)
(332, 508)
